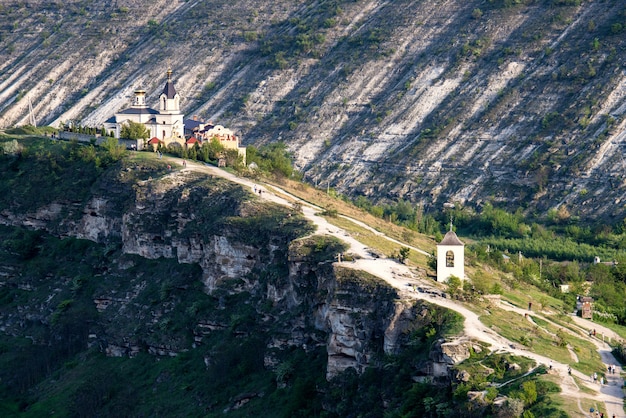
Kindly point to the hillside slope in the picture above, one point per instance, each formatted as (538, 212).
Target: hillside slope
(520, 102)
(199, 281)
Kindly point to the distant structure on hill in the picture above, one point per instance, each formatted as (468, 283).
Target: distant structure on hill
(200, 132)
(166, 124)
(450, 257)
(584, 305)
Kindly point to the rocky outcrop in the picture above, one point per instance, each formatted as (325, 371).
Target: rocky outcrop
(446, 354)
(353, 314)
(160, 223)
(360, 314)
(404, 318)
(347, 342)
(451, 352)
(97, 224)
(219, 257)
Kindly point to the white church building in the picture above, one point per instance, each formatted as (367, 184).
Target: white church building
(165, 124)
(450, 258)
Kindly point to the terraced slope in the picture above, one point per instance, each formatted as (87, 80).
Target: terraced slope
(515, 101)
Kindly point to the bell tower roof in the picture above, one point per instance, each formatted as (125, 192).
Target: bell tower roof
(169, 91)
(451, 239)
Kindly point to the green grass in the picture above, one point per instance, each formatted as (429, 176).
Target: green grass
(328, 201)
(375, 241)
(542, 340)
(318, 248)
(523, 293)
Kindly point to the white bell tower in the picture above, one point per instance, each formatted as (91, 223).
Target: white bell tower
(450, 257)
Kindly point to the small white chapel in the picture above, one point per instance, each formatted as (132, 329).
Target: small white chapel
(450, 257)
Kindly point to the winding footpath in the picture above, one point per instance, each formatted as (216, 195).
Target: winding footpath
(404, 280)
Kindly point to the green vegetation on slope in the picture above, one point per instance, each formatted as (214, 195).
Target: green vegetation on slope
(56, 282)
(76, 272)
(536, 80)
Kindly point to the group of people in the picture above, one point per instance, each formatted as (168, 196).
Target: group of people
(599, 414)
(594, 377)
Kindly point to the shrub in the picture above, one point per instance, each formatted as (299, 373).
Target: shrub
(403, 254)
(273, 159)
(211, 150)
(11, 147)
(330, 212)
(250, 36)
(454, 285)
(134, 130)
(616, 28)
(113, 148)
(529, 392)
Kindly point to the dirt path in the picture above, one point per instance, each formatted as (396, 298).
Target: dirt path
(402, 278)
(611, 392)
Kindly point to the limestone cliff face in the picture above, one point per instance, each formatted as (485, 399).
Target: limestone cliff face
(93, 220)
(359, 313)
(97, 222)
(294, 290)
(161, 222)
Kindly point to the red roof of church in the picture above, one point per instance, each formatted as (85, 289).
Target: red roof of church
(192, 140)
(154, 141)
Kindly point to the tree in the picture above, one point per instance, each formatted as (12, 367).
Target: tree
(233, 159)
(511, 408)
(134, 130)
(404, 254)
(273, 158)
(432, 261)
(212, 150)
(454, 285)
(529, 392)
(113, 148)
